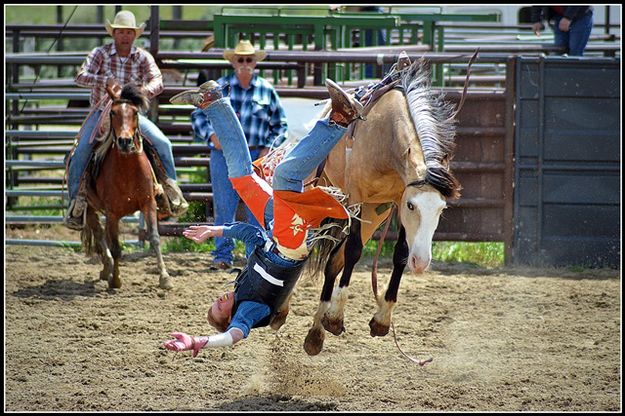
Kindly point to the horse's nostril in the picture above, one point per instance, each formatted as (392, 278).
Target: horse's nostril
(418, 265)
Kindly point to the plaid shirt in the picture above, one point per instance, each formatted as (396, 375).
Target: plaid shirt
(103, 63)
(258, 109)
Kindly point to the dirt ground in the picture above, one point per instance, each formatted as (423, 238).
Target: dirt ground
(501, 340)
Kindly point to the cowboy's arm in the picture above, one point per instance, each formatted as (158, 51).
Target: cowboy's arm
(153, 79)
(249, 234)
(88, 75)
(248, 314)
(186, 342)
(201, 233)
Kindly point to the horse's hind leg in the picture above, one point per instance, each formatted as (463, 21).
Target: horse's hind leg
(316, 334)
(112, 232)
(381, 321)
(164, 281)
(333, 318)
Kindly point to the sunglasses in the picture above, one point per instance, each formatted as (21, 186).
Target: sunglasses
(248, 60)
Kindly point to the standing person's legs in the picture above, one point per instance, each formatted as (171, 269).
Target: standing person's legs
(225, 201)
(579, 33)
(560, 38)
(74, 217)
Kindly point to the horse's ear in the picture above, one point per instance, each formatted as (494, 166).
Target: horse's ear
(114, 91)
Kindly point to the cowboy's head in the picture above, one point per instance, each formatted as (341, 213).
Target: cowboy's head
(124, 31)
(244, 57)
(220, 312)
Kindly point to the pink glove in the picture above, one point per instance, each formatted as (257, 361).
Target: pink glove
(184, 342)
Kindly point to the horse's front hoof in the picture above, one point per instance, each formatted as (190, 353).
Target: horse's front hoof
(377, 329)
(115, 283)
(164, 282)
(314, 341)
(334, 326)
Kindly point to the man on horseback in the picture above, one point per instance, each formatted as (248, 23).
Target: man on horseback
(114, 65)
(288, 215)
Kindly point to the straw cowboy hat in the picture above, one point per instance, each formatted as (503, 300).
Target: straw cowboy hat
(244, 48)
(124, 20)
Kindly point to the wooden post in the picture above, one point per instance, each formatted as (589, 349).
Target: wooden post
(154, 39)
(154, 30)
(176, 12)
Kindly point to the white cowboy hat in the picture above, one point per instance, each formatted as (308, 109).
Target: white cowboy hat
(244, 48)
(124, 20)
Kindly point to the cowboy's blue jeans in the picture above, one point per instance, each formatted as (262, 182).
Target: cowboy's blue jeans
(225, 202)
(296, 166)
(576, 38)
(83, 151)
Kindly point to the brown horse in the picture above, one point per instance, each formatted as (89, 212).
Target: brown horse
(122, 183)
(399, 155)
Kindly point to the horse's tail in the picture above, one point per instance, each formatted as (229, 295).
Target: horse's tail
(324, 247)
(87, 238)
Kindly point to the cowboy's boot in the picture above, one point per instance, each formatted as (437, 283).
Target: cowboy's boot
(345, 108)
(200, 97)
(177, 202)
(76, 214)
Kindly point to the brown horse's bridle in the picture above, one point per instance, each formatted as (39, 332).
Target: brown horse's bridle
(137, 134)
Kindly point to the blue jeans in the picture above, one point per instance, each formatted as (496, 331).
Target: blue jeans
(83, 151)
(576, 38)
(225, 202)
(296, 166)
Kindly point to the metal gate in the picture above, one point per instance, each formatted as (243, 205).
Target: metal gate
(567, 167)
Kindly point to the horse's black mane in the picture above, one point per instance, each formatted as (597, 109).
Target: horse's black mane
(435, 126)
(134, 94)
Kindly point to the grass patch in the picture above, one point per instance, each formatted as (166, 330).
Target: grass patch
(43, 205)
(485, 254)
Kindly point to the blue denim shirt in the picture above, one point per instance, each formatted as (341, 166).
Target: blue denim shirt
(258, 109)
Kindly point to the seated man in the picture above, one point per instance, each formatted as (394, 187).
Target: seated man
(277, 251)
(114, 65)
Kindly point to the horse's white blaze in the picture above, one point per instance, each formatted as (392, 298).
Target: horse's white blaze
(420, 223)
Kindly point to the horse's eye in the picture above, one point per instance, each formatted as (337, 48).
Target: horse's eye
(410, 206)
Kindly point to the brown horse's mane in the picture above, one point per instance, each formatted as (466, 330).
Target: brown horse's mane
(435, 125)
(134, 94)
